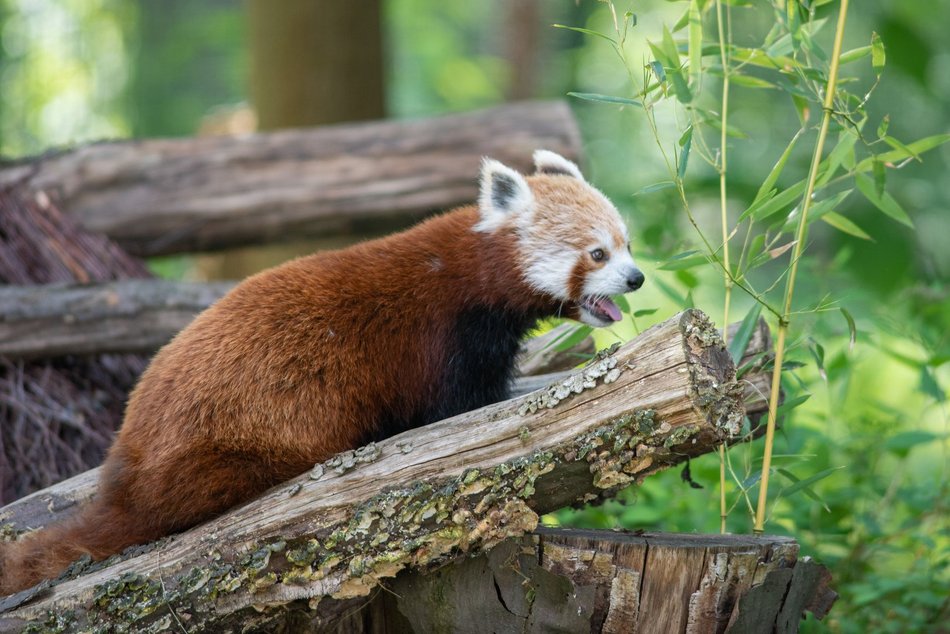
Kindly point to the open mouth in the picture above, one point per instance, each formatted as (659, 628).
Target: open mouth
(601, 308)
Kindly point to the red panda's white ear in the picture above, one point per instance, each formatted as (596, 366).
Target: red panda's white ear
(547, 162)
(503, 193)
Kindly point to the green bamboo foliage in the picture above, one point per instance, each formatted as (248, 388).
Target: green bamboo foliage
(695, 68)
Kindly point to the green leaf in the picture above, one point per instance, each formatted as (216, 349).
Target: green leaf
(916, 148)
(695, 42)
(877, 53)
(686, 260)
(621, 301)
(897, 145)
(657, 68)
(740, 341)
(777, 169)
(929, 385)
(791, 403)
(806, 490)
(854, 55)
(586, 32)
(882, 129)
(643, 312)
(592, 96)
(852, 330)
(841, 223)
(750, 81)
(822, 207)
(836, 157)
(807, 482)
(818, 353)
(655, 187)
(903, 442)
(577, 336)
(767, 208)
(885, 203)
(880, 178)
(686, 142)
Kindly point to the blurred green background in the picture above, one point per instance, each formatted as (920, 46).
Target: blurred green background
(876, 420)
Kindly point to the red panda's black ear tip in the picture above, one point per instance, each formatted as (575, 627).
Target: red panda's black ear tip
(552, 163)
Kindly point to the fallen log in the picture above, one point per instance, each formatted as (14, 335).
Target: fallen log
(43, 507)
(420, 498)
(123, 316)
(170, 195)
(562, 580)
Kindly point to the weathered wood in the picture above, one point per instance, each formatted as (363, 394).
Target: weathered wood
(53, 503)
(171, 195)
(123, 316)
(563, 580)
(416, 500)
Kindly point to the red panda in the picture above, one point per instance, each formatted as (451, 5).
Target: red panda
(330, 351)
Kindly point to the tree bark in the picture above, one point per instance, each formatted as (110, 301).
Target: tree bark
(563, 580)
(314, 63)
(415, 500)
(164, 196)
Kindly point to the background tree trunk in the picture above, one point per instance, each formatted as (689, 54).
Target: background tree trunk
(315, 62)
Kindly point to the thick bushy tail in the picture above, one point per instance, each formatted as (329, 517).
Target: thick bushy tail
(97, 530)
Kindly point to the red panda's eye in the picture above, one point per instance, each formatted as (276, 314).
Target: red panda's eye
(597, 255)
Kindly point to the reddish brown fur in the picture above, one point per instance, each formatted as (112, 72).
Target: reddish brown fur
(295, 364)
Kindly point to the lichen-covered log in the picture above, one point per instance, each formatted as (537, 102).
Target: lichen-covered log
(170, 195)
(562, 580)
(124, 316)
(457, 486)
(53, 503)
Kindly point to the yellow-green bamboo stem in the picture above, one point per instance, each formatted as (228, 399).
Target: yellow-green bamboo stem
(759, 525)
(723, 511)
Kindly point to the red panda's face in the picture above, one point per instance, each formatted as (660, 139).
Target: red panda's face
(574, 245)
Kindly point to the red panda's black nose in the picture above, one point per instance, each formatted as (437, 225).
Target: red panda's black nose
(635, 279)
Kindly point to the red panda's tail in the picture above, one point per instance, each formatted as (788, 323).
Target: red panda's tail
(97, 530)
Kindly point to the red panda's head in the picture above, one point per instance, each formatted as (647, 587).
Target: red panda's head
(573, 244)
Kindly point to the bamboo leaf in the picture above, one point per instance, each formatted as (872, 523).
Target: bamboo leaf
(854, 55)
(897, 145)
(586, 32)
(776, 204)
(686, 142)
(880, 178)
(574, 338)
(807, 482)
(877, 53)
(655, 187)
(852, 330)
(806, 490)
(846, 225)
(885, 203)
(740, 341)
(695, 42)
(611, 99)
(777, 169)
(750, 81)
(643, 312)
(916, 148)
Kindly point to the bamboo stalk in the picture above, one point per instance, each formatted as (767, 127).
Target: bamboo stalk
(759, 526)
(723, 512)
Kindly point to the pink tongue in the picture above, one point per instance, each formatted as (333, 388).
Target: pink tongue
(609, 307)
